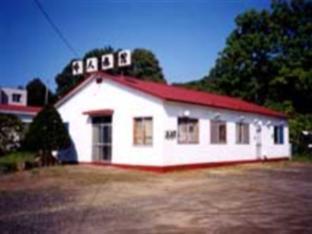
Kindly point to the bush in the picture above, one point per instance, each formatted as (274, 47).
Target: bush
(47, 132)
(11, 133)
(15, 160)
(298, 124)
(303, 158)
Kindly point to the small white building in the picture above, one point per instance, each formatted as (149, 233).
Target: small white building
(13, 96)
(14, 101)
(132, 123)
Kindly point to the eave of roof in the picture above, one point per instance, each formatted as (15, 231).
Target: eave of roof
(102, 112)
(16, 109)
(178, 94)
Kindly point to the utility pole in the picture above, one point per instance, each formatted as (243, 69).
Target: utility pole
(46, 98)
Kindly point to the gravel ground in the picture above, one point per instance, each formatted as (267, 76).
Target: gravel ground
(259, 198)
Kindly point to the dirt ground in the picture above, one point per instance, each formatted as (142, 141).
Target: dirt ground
(258, 198)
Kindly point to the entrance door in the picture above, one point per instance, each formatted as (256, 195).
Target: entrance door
(102, 138)
(258, 142)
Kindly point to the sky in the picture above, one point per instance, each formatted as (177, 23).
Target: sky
(186, 36)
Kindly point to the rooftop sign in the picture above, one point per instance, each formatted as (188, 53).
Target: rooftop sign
(107, 62)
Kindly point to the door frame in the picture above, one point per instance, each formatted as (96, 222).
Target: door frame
(259, 141)
(99, 156)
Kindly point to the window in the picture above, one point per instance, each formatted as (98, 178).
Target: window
(143, 131)
(16, 97)
(218, 132)
(188, 131)
(278, 134)
(101, 119)
(242, 133)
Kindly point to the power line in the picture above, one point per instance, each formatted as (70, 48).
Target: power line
(55, 28)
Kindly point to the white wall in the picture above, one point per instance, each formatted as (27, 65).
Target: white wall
(7, 96)
(175, 154)
(127, 104)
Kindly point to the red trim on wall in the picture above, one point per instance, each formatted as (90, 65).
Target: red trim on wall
(103, 112)
(163, 169)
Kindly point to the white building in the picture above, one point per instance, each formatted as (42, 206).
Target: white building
(11, 96)
(14, 101)
(131, 123)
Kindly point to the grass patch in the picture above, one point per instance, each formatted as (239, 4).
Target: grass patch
(302, 158)
(13, 161)
(88, 176)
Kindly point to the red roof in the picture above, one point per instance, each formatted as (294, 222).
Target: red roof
(179, 94)
(31, 110)
(94, 113)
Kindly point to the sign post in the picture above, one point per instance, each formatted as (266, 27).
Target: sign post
(107, 62)
(92, 64)
(124, 58)
(77, 67)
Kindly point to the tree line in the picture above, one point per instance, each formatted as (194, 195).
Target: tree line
(267, 58)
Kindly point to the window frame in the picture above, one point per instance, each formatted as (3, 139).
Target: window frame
(239, 130)
(16, 97)
(189, 122)
(220, 123)
(278, 135)
(145, 136)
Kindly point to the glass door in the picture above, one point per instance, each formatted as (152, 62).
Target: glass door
(102, 139)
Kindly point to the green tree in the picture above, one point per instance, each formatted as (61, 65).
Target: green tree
(144, 66)
(243, 68)
(267, 58)
(36, 93)
(297, 125)
(11, 133)
(47, 132)
(293, 53)
(66, 81)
